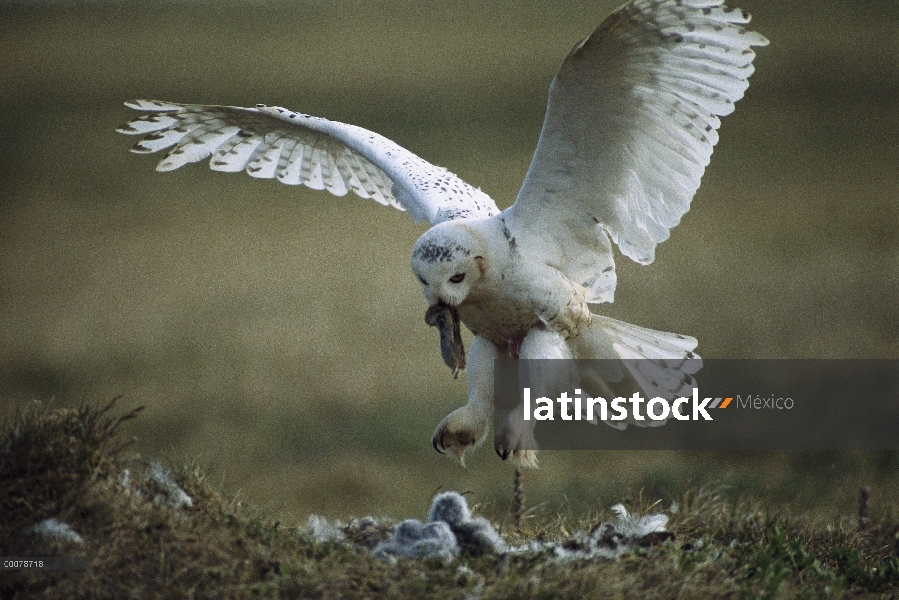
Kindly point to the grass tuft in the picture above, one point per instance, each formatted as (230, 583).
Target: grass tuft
(67, 489)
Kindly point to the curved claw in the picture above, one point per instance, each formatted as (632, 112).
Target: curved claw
(503, 454)
(434, 441)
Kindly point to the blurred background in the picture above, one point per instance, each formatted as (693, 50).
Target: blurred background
(276, 334)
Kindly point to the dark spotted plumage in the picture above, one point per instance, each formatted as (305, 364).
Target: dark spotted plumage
(438, 253)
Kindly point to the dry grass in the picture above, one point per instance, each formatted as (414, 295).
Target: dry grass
(260, 327)
(68, 464)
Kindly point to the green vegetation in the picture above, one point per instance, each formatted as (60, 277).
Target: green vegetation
(70, 465)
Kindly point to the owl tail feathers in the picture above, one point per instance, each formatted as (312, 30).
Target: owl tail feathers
(658, 363)
(609, 338)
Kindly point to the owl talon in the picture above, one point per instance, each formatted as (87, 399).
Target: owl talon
(502, 453)
(460, 431)
(515, 439)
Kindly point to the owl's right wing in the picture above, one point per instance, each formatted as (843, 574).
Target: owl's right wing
(273, 142)
(632, 119)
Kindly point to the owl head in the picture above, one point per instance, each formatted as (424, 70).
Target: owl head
(447, 260)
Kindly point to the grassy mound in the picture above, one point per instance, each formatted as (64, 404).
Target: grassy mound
(151, 532)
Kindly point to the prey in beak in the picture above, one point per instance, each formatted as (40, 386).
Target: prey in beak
(446, 319)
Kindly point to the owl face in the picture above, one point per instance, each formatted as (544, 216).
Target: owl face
(447, 263)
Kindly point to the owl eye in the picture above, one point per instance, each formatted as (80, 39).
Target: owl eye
(422, 279)
(457, 278)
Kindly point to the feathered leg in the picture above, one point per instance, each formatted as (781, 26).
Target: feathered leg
(467, 427)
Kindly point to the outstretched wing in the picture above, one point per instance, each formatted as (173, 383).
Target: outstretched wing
(299, 149)
(629, 129)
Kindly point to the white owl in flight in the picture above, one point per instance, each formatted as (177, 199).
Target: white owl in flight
(630, 125)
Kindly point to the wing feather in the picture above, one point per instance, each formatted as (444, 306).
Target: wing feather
(197, 146)
(631, 122)
(234, 154)
(298, 149)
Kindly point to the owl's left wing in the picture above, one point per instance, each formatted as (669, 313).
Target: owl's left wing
(629, 129)
(273, 142)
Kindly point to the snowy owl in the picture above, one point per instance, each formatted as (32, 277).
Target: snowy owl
(631, 121)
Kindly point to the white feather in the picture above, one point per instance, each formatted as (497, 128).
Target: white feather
(632, 115)
(300, 149)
